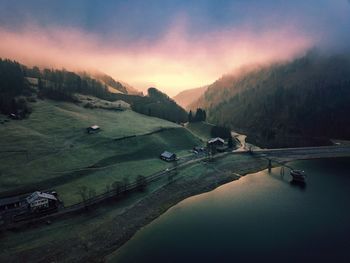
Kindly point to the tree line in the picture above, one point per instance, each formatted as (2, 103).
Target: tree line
(199, 116)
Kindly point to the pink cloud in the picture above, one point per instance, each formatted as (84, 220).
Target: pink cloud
(175, 61)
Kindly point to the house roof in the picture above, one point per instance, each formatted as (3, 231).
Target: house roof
(10, 200)
(36, 195)
(212, 140)
(167, 154)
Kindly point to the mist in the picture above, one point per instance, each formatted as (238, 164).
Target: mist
(183, 53)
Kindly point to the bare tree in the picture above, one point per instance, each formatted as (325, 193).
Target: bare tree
(117, 187)
(108, 188)
(141, 182)
(83, 193)
(125, 183)
(92, 193)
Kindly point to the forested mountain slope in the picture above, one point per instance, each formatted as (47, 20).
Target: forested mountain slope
(303, 102)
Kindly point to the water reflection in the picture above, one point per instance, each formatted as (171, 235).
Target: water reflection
(296, 184)
(283, 174)
(262, 218)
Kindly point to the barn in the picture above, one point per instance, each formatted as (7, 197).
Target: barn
(168, 156)
(93, 129)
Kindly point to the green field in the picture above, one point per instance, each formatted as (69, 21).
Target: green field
(86, 229)
(51, 149)
(200, 129)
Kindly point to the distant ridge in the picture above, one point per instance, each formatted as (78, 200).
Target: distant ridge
(186, 97)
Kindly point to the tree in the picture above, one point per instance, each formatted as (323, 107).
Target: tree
(117, 187)
(40, 84)
(190, 117)
(141, 183)
(200, 115)
(219, 131)
(92, 193)
(125, 183)
(83, 193)
(230, 142)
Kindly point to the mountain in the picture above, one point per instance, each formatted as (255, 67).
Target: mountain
(299, 103)
(186, 97)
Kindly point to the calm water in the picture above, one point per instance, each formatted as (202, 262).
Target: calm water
(260, 218)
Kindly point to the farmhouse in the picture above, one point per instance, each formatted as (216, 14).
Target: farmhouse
(168, 156)
(218, 142)
(93, 129)
(40, 200)
(216, 145)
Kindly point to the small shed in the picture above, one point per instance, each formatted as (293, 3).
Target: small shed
(168, 156)
(93, 129)
(40, 200)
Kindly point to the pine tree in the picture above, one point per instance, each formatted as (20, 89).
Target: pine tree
(190, 117)
(230, 142)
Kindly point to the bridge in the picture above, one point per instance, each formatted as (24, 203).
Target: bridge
(303, 153)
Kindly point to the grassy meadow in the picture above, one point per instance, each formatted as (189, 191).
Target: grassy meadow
(200, 129)
(51, 148)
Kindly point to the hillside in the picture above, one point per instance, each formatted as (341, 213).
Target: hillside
(51, 149)
(186, 97)
(19, 84)
(115, 86)
(303, 102)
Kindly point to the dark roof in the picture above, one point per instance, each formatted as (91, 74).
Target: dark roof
(10, 200)
(212, 140)
(166, 154)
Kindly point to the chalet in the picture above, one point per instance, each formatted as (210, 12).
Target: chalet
(40, 200)
(93, 129)
(218, 142)
(168, 156)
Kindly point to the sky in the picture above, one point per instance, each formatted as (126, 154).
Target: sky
(172, 45)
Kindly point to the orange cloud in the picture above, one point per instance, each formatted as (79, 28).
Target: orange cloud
(173, 62)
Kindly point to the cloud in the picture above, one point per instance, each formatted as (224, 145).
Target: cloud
(176, 60)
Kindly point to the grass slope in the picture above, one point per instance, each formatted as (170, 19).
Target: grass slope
(61, 155)
(201, 129)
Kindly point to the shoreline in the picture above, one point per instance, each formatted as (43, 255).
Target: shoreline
(157, 203)
(99, 246)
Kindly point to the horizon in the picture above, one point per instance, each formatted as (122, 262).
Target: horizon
(170, 45)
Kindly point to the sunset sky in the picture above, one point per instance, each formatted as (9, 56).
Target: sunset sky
(172, 45)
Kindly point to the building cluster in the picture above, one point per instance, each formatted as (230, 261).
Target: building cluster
(34, 203)
(213, 145)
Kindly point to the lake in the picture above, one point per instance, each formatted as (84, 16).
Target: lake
(259, 218)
